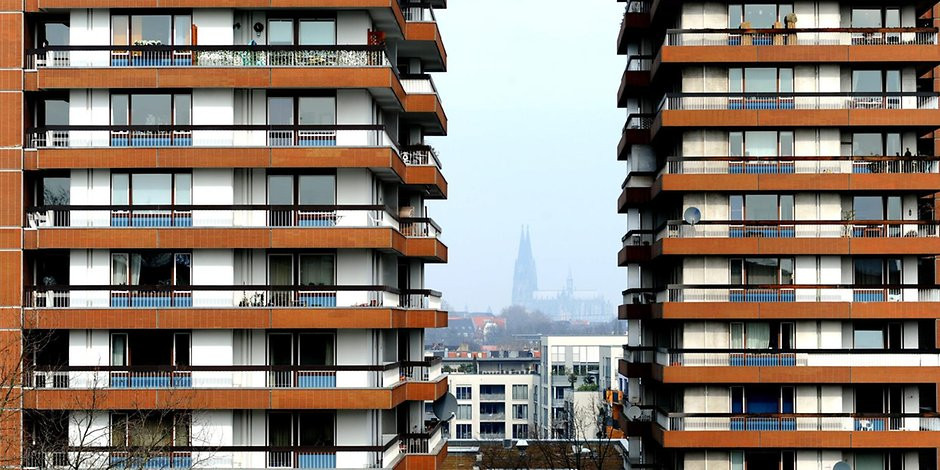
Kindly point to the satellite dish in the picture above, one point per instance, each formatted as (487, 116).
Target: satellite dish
(445, 407)
(841, 466)
(692, 216)
(634, 413)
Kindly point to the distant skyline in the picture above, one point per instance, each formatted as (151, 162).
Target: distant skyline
(533, 129)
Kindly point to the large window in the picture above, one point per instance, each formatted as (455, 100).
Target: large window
(760, 80)
(876, 144)
(876, 81)
(304, 32)
(877, 208)
(151, 189)
(520, 411)
(312, 269)
(877, 271)
(302, 110)
(464, 431)
(520, 392)
(147, 109)
(463, 392)
(464, 412)
(767, 207)
(139, 30)
(761, 271)
(757, 15)
(151, 269)
(761, 144)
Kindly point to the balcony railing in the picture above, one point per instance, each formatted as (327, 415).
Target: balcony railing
(639, 63)
(638, 121)
(206, 56)
(638, 238)
(798, 101)
(796, 293)
(106, 136)
(242, 296)
(799, 422)
(420, 155)
(801, 229)
(418, 84)
(793, 358)
(225, 377)
(492, 396)
(492, 416)
(800, 165)
(638, 6)
(423, 443)
(802, 37)
(418, 11)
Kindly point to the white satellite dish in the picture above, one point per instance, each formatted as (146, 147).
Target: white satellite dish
(634, 413)
(692, 216)
(841, 466)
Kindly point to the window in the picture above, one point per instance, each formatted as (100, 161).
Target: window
(761, 271)
(151, 189)
(464, 412)
(313, 269)
(761, 144)
(877, 271)
(761, 207)
(464, 431)
(151, 30)
(520, 431)
(151, 109)
(869, 339)
(305, 32)
(876, 81)
(463, 392)
(759, 16)
(520, 392)
(760, 80)
(750, 335)
(151, 269)
(559, 393)
(54, 191)
(520, 411)
(875, 144)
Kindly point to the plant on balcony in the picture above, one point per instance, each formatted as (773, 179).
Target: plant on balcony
(148, 42)
(254, 300)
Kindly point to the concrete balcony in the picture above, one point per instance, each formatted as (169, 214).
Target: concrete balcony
(635, 80)
(636, 131)
(636, 19)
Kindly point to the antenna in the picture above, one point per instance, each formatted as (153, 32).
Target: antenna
(634, 413)
(692, 216)
(445, 407)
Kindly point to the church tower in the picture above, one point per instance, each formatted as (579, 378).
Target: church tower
(525, 280)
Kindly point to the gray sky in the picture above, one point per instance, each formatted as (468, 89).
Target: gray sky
(530, 96)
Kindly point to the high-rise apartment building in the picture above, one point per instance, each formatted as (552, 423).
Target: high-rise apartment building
(782, 296)
(213, 233)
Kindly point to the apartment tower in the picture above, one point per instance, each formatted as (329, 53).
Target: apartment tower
(213, 233)
(782, 233)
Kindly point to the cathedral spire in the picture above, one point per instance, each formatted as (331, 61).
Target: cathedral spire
(525, 280)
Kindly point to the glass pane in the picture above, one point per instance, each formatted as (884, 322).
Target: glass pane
(184, 189)
(864, 145)
(737, 336)
(758, 336)
(280, 269)
(760, 80)
(279, 432)
(280, 32)
(786, 207)
(56, 112)
(55, 191)
(119, 269)
(760, 144)
(316, 190)
(735, 16)
(119, 25)
(315, 429)
(737, 460)
(119, 104)
(152, 269)
(316, 270)
(893, 144)
(866, 81)
(786, 144)
(56, 34)
(761, 271)
(892, 18)
(314, 111)
(866, 18)
(868, 208)
(182, 110)
(760, 207)
(317, 33)
(869, 339)
(183, 268)
(182, 30)
(735, 80)
(315, 349)
(868, 271)
(894, 208)
(150, 110)
(737, 207)
(786, 271)
(119, 189)
(894, 271)
(786, 80)
(150, 29)
(151, 189)
(281, 110)
(118, 350)
(737, 271)
(893, 81)
(280, 190)
(760, 16)
(735, 144)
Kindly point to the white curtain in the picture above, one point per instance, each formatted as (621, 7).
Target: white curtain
(758, 336)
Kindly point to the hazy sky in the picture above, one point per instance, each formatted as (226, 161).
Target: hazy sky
(530, 96)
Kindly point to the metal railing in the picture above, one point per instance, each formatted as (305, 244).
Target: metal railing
(419, 227)
(801, 422)
(801, 165)
(798, 101)
(638, 121)
(638, 6)
(797, 293)
(418, 84)
(724, 357)
(420, 155)
(638, 238)
(118, 136)
(802, 37)
(206, 56)
(418, 11)
(492, 416)
(189, 216)
(423, 443)
(801, 229)
(425, 299)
